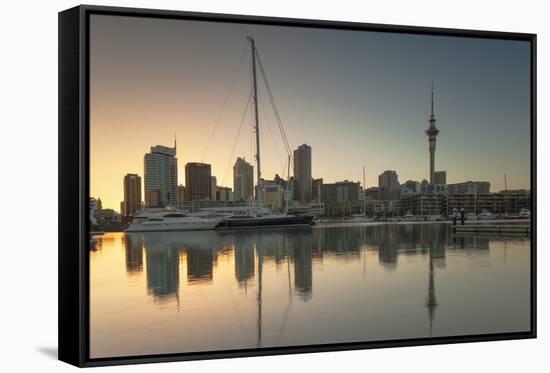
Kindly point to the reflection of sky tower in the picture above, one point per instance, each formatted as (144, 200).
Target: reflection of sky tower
(431, 302)
(432, 133)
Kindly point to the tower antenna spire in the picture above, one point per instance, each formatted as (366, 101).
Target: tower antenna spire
(432, 98)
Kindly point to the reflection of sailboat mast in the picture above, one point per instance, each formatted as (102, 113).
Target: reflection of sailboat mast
(260, 270)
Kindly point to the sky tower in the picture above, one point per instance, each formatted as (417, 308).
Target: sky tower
(432, 133)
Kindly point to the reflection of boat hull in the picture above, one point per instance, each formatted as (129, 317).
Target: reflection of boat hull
(163, 226)
(268, 221)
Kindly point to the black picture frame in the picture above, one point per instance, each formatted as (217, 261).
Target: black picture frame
(74, 187)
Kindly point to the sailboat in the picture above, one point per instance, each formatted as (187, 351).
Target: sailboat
(260, 217)
(362, 218)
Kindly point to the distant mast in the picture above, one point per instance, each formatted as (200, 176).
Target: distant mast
(364, 194)
(256, 123)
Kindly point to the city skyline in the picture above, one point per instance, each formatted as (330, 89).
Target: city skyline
(383, 125)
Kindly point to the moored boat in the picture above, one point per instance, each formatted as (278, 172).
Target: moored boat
(169, 221)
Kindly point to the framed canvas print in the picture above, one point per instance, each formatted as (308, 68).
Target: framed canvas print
(238, 186)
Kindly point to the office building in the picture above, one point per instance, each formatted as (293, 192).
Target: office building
(440, 177)
(132, 195)
(243, 180)
(316, 186)
(198, 181)
(302, 173)
(342, 191)
(388, 183)
(213, 187)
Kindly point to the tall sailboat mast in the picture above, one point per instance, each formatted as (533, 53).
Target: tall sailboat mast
(256, 123)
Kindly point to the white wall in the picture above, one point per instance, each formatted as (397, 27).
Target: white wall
(28, 146)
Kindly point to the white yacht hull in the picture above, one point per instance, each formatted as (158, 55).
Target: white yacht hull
(172, 226)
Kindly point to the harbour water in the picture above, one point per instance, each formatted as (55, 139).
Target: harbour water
(173, 292)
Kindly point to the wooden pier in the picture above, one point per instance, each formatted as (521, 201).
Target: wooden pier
(500, 229)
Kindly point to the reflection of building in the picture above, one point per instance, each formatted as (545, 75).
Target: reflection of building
(162, 272)
(302, 173)
(132, 194)
(243, 180)
(198, 181)
(199, 265)
(303, 268)
(469, 187)
(161, 175)
(134, 254)
(244, 261)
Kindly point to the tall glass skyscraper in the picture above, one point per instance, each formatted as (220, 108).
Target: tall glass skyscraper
(161, 176)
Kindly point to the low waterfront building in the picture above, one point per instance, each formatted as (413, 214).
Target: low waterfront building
(469, 187)
(502, 203)
(380, 208)
(422, 204)
(496, 203)
(372, 193)
(433, 188)
(313, 208)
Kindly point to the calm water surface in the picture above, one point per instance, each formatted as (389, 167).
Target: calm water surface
(174, 292)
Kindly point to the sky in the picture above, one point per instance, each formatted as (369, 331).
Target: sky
(357, 98)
